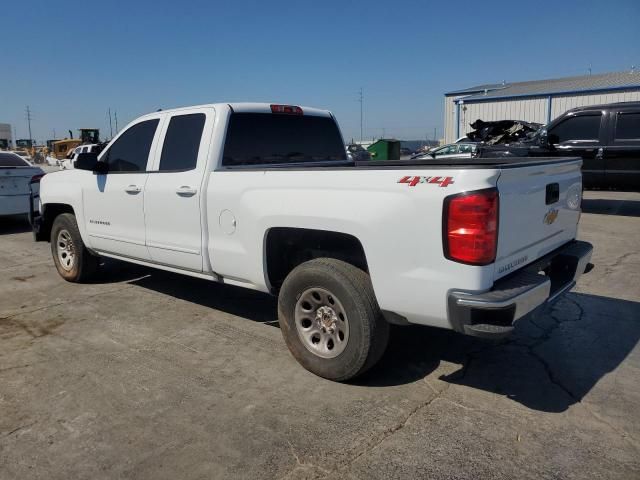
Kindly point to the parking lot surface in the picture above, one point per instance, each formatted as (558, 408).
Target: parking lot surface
(148, 374)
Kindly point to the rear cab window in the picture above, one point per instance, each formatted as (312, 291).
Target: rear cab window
(255, 139)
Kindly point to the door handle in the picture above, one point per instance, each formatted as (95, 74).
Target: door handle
(186, 191)
(133, 189)
(600, 154)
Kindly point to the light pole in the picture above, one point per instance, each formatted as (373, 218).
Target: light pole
(361, 99)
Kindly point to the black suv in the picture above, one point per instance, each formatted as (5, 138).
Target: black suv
(607, 137)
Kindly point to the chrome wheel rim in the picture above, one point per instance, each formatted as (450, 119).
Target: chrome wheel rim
(66, 250)
(321, 322)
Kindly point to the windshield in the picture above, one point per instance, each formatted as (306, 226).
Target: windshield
(266, 138)
(12, 160)
(446, 150)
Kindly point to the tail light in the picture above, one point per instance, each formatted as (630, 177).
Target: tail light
(290, 109)
(36, 178)
(470, 222)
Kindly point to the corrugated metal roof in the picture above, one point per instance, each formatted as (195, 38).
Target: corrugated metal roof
(477, 88)
(602, 81)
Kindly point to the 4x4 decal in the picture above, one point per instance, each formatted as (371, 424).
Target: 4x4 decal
(412, 181)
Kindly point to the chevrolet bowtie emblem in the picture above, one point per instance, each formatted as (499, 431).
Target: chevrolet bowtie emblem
(551, 216)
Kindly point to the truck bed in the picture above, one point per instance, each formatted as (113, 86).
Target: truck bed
(462, 163)
(501, 162)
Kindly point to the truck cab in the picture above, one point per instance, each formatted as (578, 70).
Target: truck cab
(606, 137)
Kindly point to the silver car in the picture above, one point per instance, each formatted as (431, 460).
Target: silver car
(18, 178)
(452, 150)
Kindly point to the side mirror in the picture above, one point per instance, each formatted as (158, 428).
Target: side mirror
(89, 161)
(545, 139)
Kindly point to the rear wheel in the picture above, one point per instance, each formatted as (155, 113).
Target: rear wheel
(72, 259)
(330, 319)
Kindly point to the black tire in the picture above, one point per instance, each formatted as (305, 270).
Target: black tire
(80, 267)
(368, 331)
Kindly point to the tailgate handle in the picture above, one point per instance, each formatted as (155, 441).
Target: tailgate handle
(553, 193)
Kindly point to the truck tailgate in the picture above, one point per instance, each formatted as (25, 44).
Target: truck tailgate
(539, 211)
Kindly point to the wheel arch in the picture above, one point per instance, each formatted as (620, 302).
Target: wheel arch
(49, 213)
(287, 247)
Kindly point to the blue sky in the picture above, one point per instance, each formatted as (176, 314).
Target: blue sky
(70, 61)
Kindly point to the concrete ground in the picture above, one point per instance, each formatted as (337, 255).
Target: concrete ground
(152, 375)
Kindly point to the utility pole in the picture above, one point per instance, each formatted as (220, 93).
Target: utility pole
(435, 135)
(110, 125)
(361, 100)
(29, 123)
(115, 112)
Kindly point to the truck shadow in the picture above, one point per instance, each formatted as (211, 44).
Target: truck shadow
(256, 306)
(548, 364)
(14, 224)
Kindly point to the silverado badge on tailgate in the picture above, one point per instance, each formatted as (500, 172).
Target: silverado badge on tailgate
(550, 216)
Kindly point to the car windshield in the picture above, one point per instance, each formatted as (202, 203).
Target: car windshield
(12, 160)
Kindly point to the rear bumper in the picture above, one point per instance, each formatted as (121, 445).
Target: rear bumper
(492, 314)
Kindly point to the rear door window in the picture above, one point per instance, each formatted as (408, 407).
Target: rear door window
(466, 148)
(267, 139)
(130, 152)
(628, 126)
(182, 142)
(578, 128)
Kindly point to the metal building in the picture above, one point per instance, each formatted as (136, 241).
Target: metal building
(535, 101)
(5, 136)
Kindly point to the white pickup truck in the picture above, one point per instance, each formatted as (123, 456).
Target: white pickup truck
(263, 196)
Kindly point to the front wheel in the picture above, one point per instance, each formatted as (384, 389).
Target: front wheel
(72, 259)
(330, 319)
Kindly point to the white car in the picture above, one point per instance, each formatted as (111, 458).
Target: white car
(53, 161)
(263, 197)
(17, 178)
(22, 154)
(451, 151)
(68, 163)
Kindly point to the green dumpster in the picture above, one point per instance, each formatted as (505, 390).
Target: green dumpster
(385, 149)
